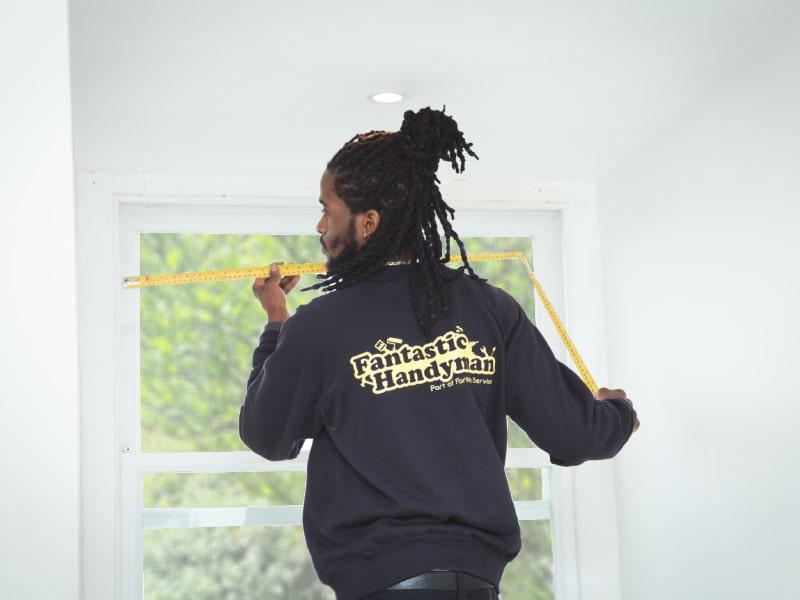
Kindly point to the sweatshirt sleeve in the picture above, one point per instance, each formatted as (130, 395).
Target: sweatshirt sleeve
(553, 405)
(282, 405)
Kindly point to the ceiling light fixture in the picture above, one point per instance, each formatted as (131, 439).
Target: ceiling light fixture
(387, 96)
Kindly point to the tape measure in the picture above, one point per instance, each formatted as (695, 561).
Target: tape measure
(288, 269)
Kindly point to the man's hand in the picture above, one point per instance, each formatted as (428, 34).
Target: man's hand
(605, 394)
(271, 292)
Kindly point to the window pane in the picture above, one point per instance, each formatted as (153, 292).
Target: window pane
(269, 563)
(197, 339)
(517, 438)
(525, 484)
(510, 275)
(188, 490)
(530, 575)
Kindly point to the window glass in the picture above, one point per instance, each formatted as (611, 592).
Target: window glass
(190, 490)
(530, 575)
(197, 339)
(268, 563)
(525, 483)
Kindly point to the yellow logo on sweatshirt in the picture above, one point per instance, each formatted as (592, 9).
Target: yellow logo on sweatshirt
(398, 365)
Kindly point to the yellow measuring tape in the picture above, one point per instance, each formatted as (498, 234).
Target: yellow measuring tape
(287, 269)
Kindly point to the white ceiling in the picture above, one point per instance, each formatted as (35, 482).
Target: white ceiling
(544, 90)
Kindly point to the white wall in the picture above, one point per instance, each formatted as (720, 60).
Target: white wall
(700, 240)
(39, 502)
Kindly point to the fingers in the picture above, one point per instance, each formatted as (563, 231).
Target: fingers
(287, 283)
(257, 286)
(274, 274)
(602, 393)
(605, 394)
(273, 279)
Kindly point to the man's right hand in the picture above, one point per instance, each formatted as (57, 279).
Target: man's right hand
(605, 394)
(271, 292)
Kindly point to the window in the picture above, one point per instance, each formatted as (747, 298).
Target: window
(200, 514)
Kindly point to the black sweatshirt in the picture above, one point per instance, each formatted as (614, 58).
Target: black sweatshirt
(406, 470)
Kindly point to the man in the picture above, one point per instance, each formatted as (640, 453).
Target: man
(403, 378)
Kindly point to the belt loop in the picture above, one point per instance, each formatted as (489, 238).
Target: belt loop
(462, 588)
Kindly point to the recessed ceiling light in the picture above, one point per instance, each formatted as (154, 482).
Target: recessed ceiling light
(387, 97)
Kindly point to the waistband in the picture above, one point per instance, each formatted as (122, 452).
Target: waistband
(366, 575)
(442, 580)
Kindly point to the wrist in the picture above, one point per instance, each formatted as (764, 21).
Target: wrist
(277, 316)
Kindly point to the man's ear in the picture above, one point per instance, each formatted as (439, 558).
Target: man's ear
(372, 219)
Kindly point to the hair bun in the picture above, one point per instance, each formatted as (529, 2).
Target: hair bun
(429, 136)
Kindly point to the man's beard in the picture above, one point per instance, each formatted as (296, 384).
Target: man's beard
(349, 248)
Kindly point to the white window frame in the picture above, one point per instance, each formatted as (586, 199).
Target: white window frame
(112, 211)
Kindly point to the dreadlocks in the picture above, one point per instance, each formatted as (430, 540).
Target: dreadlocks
(395, 174)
